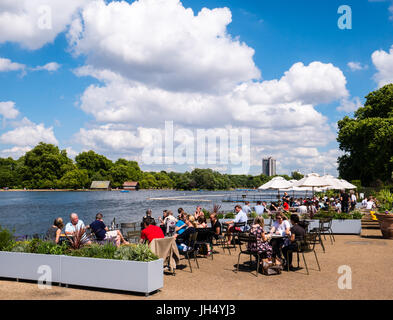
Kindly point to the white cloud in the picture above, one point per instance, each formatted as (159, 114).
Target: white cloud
(7, 110)
(34, 23)
(350, 105)
(161, 43)
(356, 66)
(8, 65)
(29, 134)
(14, 152)
(51, 67)
(383, 62)
(172, 69)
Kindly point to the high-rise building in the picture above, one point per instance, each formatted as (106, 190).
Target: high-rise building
(269, 166)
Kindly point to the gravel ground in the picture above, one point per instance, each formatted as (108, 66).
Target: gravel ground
(369, 259)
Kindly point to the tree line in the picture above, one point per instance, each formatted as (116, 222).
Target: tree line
(48, 167)
(367, 141)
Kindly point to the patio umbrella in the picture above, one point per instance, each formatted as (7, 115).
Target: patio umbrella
(347, 185)
(278, 183)
(334, 183)
(312, 180)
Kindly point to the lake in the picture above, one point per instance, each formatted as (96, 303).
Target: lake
(34, 212)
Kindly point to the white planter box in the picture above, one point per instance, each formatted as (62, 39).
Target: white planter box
(26, 265)
(338, 226)
(143, 277)
(125, 275)
(341, 226)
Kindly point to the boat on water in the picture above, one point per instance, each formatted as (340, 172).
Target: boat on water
(125, 191)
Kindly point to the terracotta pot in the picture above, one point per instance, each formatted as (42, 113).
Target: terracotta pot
(386, 224)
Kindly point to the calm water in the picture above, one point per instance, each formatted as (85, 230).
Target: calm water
(34, 212)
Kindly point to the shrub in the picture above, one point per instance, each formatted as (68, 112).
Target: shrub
(21, 246)
(385, 198)
(220, 216)
(140, 252)
(357, 215)
(6, 239)
(206, 213)
(342, 216)
(266, 216)
(106, 251)
(230, 215)
(253, 215)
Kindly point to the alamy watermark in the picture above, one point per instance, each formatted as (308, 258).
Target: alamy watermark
(44, 21)
(345, 20)
(345, 280)
(45, 278)
(225, 147)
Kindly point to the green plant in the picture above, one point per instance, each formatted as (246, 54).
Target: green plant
(230, 215)
(220, 216)
(106, 251)
(357, 215)
(385, 198)
(6, 239)
(20, 246)
(253, 214)
(266, 216)
(206, 213)
(342, 216)
(138, 252)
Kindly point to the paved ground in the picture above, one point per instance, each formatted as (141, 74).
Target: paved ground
(370, 260)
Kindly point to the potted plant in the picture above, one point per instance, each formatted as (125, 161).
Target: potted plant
(385, 219)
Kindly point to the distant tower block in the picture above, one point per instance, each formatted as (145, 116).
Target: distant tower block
(269, 166)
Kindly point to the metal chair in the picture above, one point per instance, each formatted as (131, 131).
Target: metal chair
(325, 226)
(205, 238)
(304, 246)
(248, 239)
(130, 231)
(192, 249)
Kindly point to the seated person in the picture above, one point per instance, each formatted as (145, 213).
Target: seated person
(53, 233)
(201, 222)
(183, 240)
(102, 232)
(147, 216)
(74, 226)
(286, 206)
(297, 234)
(261, 246)
(151, 231)
(162, 220)
(280, 227)
(180, 224)
(241, 216)
(170, 223)
(198, 213)
(216, 225)
(259, 208)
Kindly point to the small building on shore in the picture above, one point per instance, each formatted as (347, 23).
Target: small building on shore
(131, 185)
(100, 185)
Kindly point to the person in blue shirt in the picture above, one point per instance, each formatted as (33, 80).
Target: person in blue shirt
(246, 208)
(180, 224)
(102, 232)
(259, 208)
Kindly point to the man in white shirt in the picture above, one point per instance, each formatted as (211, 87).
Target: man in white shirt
(353, 200)
(75, 225)
(170, 223)
(370, 204)
(302, 209)
(241, 216)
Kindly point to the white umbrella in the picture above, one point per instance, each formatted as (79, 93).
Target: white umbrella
(334, 183)
(347, 185)
(312, 180)
(276, 184)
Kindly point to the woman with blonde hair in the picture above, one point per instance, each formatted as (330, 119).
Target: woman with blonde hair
(183, 240)
(261, 246)
(53, 233)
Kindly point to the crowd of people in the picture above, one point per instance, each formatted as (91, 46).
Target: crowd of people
(275, 246)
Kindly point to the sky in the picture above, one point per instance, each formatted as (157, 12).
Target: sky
(110, 76)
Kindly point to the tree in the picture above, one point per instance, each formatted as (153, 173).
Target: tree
(297, 175)
(43, 166)
(75, 179)
(367, 140)
(93, 163)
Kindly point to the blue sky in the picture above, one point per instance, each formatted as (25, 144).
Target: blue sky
(282, 33)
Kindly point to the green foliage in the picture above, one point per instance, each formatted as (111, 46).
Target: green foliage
(6, 239)
(75, 179)
(140, 252)
(106, 251)
(253, 214)
(367, 140)
(230, 215)
(93, 163)
(297, 175)
(220, 216)
(385, 198)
